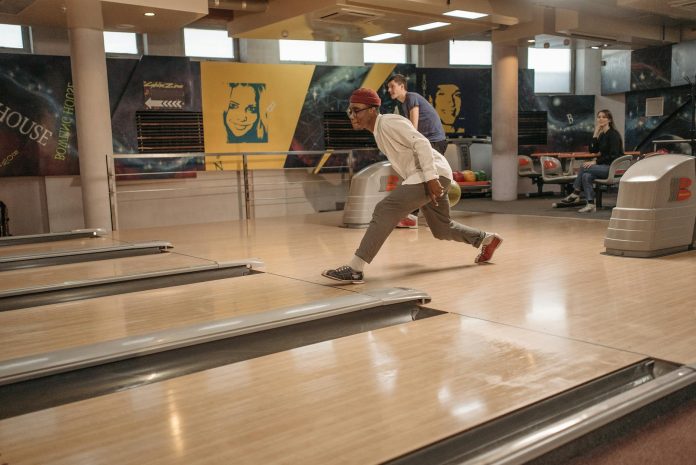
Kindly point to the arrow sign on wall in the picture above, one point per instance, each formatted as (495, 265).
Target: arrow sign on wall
(165, 95)
(151, 103)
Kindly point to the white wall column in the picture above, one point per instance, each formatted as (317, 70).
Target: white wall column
(504, 122)
(88, 64)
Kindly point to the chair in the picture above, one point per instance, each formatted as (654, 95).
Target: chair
(552, 173)
(525, 169)
(573, 165)
(617, 168)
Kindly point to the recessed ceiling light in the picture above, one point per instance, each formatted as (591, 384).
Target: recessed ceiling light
(378, 37)
(426, 27)
(149, 13)
(465, 14)
(595, 47)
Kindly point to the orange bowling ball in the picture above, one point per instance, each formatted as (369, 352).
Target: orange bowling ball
(469, 176)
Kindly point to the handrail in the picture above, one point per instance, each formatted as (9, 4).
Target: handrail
(126, 156)
(243, 173)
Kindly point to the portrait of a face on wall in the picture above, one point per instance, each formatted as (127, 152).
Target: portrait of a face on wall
(447, 100)
(245, 118)
(461, 97)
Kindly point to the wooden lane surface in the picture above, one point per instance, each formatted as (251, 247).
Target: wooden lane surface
(361, 399)
(549, 275)
(100, 269)
(50, 327)
(59, 246)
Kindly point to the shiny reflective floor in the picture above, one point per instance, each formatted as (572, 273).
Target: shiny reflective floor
(58, 246)
(551, 312)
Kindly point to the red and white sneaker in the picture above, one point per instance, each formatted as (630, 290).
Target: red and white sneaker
(411, 221)
(491, 242)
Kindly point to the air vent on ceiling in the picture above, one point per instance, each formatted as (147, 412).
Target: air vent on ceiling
(349, 16)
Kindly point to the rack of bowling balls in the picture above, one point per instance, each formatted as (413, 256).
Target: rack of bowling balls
(472, 182)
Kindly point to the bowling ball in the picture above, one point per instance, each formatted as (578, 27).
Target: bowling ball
(469, 176)
(458, 176)
(454, 193)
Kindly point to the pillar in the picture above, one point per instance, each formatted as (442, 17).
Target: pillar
(504, 122)
(93, 118)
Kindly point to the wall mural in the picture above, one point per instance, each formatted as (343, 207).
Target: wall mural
(251, 108)
(616, 72)
(675, 124)
(256, 108)
(683, 63)
(650, 68)
(461, 97)
(243, 119)
(151, 83)
(37, 116)
(329, 91)
(463, 100)
(571, 121)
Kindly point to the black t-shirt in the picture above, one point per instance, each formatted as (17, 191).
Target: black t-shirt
(608, 145)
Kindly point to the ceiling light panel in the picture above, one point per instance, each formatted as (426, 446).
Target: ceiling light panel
(465, 14)
(378, 37)
(426, 27)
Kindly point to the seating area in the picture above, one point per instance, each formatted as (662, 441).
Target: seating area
(551, 169)
(525, 169)
(552, 172)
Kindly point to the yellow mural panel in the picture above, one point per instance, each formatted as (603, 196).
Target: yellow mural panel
(251, 108)
(379, 73)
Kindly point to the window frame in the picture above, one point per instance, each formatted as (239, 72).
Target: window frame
(407, 54)
(235, 46)
(27, 43)
(139, 45)
(449, 57)
(327, 56)
(571, 74)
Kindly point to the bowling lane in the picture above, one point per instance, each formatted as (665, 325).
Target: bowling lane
(93, 270)
(51, 327)
(59, 246)
(549, 275)
(365, 399)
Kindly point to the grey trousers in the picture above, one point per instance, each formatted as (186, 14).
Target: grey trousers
(399, 203)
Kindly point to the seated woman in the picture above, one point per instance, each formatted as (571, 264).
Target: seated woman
(607, 144)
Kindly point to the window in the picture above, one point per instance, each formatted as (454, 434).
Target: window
(384, 53)
(552, 69)
(470, 52)
(302, 50)
(120, 42)
(208, 43)
(11, 36)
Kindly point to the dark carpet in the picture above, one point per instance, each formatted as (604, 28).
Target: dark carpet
(537, 206)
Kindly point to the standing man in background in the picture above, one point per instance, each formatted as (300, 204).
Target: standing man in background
(424, 118)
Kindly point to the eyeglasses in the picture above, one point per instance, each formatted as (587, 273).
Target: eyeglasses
(351, 112)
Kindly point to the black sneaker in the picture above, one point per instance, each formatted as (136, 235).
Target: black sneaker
(344, 274)
(572, 198)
